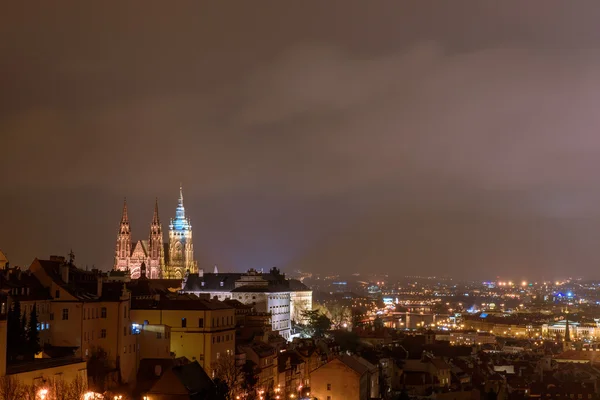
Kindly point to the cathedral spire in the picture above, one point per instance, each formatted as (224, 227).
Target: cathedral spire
(124, 216)
(155, 220)
(124, 226)
(180, 212)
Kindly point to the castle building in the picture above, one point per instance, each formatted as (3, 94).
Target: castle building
(285, 299)
(154, 258)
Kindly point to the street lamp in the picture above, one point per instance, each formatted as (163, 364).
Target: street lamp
(42, 393)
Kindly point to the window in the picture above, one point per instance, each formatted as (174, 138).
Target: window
(183, 322)
(57, 294)
(65, 314)
(158, 335)
(103, 312)
(51, 316)
(201, 323)
(103, 333)
(124, 331)
(328, 397)
(329, 386)
(125, 311)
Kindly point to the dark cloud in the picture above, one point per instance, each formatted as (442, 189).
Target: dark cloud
(453, 138)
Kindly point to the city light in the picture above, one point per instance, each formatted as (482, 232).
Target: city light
(97, 396)
(42, 393)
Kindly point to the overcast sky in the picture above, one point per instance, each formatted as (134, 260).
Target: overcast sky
(421, 137)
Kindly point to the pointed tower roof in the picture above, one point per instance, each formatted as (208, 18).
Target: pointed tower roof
(124, 216)
(124, 226)
(180, 223)
(155, 219)
(216, 270)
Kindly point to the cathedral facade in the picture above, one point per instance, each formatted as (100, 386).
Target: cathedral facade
(153, 258)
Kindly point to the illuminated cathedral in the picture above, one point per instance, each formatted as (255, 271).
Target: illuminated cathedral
(152, 258)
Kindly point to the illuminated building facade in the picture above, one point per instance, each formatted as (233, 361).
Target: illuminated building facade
(153, 258)
(285, 299)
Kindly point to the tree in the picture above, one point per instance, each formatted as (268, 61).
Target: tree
(15, 333)
(340, 316)
(58, 389)
(97, 368)
(250, 380)
(226, 370)
(77, 388)
(10, 388)
(33, 335)
(222, 390)
(317, 323)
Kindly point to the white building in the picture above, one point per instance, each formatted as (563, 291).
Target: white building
(285, 299)
(576, 330)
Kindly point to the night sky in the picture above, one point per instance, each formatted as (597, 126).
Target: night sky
(400, 137)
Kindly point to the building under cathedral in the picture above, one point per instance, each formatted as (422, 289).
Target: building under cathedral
(154, 258)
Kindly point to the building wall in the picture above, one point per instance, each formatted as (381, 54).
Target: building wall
(66, 323)
(279, 304)
(204, 344)
(154, 341)
(300, 301)
(345, 384)
(67, 372)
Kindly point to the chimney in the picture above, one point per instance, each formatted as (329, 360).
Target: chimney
(64, 272)
(99, 290)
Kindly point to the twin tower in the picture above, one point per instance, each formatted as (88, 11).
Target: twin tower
(153, 258)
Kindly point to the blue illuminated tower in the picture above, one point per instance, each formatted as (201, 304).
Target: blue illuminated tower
(181, 247)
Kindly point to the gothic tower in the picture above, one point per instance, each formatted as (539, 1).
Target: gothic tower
(156, 250)
(181, 248)
(123, 248)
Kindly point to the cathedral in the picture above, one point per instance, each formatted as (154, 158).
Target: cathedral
(153, 258)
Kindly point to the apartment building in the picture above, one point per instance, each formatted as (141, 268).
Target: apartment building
(201, 329)
(86, 315)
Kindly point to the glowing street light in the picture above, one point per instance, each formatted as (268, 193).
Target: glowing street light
(42, 393)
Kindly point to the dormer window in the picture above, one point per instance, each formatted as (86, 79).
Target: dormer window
(202, 283)
(221, 283)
